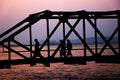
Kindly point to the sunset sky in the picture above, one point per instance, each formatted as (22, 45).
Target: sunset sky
(13, 11)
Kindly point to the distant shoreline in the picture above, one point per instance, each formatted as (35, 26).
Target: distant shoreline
(90, 43)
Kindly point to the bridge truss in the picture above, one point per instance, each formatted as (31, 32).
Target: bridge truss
(79, 17)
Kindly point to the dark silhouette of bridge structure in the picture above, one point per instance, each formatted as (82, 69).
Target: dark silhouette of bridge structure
(63, 18)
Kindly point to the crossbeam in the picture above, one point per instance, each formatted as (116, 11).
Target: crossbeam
(63, 17)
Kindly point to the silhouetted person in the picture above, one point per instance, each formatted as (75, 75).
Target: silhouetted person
(62, 49)
(37, 51)
(69, 48)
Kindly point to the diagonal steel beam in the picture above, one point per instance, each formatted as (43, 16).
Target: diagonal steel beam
(49, 36)
(81, 38)
(15, 51)
(111, 37)
(14, 27)
(101, 35)
(67, 35)
(20, 30)
(18, 43)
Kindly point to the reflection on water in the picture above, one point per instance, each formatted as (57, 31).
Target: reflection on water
(77, 51)
(60, 71)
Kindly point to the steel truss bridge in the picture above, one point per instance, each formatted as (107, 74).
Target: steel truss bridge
(63, 18)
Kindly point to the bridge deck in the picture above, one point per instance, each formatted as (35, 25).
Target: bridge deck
(80, 17)
(66, 60)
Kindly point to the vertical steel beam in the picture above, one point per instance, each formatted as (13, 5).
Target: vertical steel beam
(3, 48)
(101, 35)
(50, 35)
(63, 30)
(96, 44)
(84, 36)
(48, 42)
(9, 55)
(119, 31)
(80, 38)
(15, 51)
(66, 36)
(30, 34)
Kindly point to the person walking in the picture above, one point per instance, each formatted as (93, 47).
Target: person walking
(62, 49)
(36, 53)
(69, 48)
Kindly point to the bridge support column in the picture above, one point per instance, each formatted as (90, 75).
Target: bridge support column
(64, 38)
(48, 44)
(119, 31)
(63, 30)
(96, 47)
(97, 56)
(9, 56)
(84, 37)
(30, 36)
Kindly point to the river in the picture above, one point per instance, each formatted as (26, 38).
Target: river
(61, 71)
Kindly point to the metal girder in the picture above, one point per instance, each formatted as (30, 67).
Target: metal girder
(81, 39)
(118, 14)
(66, 36)
(15, 51)
(63, 17)
(101, 35)
(13, 28)
(75, 14)
(18, 43)
(108, 42)
(50, 35)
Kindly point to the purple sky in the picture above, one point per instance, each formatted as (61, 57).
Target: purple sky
(13, 11)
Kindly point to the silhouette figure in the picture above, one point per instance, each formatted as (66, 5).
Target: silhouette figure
(37, 51)
(63, 49)
(69, 48)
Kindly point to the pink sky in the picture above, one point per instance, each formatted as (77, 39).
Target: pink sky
(13, 11)
(18, 9)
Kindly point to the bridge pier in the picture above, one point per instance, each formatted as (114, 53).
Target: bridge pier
(9, 55)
